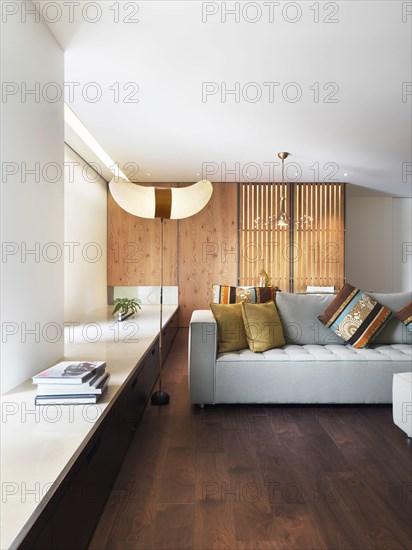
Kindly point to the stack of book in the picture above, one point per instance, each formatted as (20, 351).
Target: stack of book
(71, 382)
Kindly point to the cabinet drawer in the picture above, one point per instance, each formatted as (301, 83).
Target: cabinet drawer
(73, 518)
(134, 401)
(169, 334)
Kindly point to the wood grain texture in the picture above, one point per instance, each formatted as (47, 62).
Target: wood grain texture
(134, 249)
(198, 251)
(208, 250)
(241, 477)
(319, 246)
(262, 243)
(223, 245)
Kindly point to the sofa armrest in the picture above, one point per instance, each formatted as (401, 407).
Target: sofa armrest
(202, 357)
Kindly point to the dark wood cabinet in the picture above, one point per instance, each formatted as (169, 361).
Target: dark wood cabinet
(68, 519)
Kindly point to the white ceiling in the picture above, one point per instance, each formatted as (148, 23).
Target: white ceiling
(174, 134)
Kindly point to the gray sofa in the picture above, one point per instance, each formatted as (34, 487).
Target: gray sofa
(314, 366)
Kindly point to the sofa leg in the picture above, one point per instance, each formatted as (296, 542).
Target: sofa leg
(202, 405)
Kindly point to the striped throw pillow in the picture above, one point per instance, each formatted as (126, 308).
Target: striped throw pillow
(223, 294)
(354, 316)
(405, 315)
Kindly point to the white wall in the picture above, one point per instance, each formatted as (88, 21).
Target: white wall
(402, 244)
(376, 230)
(85, 225)
(31, 211)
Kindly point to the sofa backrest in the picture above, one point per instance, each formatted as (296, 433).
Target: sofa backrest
(299, 316)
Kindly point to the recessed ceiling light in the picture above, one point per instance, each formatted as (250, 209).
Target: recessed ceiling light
(197, 174)
(148, 174)
(346, 174)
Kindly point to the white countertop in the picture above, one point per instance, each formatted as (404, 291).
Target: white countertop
(38, 444)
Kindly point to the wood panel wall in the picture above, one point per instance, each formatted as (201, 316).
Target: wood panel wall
(210, 247)
(198, 251)
(134, 249)
(208, 250)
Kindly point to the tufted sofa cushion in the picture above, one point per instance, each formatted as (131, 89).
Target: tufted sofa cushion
(316, 352)
(296, 373)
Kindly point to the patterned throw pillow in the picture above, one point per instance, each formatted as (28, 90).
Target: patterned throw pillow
(222, 294)
(354, 316)
(405, 315)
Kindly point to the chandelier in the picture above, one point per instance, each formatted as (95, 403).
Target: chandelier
(283, 220)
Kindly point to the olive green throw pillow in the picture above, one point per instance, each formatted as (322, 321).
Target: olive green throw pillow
(263, 328)
(230, 328)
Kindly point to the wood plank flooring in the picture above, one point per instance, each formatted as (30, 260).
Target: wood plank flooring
(259, 477)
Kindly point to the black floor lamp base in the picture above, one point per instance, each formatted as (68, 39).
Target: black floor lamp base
(160, 398)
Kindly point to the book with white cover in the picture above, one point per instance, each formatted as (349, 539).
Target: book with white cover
(66, 399)
(83, 389)
(95, 378)
(70, 399)
(69, 372)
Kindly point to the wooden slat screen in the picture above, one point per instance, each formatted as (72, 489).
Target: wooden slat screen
(319, 244)
(260, 244)
(309, 252)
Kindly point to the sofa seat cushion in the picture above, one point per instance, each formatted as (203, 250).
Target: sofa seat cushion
(310, 374)
(313, 353)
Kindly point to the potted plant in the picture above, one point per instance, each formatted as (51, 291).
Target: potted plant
(125, 307)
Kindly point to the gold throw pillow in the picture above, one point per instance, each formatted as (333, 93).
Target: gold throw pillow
(230, 327)
(263, 327)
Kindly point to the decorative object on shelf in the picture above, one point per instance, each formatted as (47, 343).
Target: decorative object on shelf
(172, 203)
(283, 220)
(263, 278)
(125, 307)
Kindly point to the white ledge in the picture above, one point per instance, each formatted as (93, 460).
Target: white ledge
(39, 444)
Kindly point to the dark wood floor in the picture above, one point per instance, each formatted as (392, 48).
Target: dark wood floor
(259, 477)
